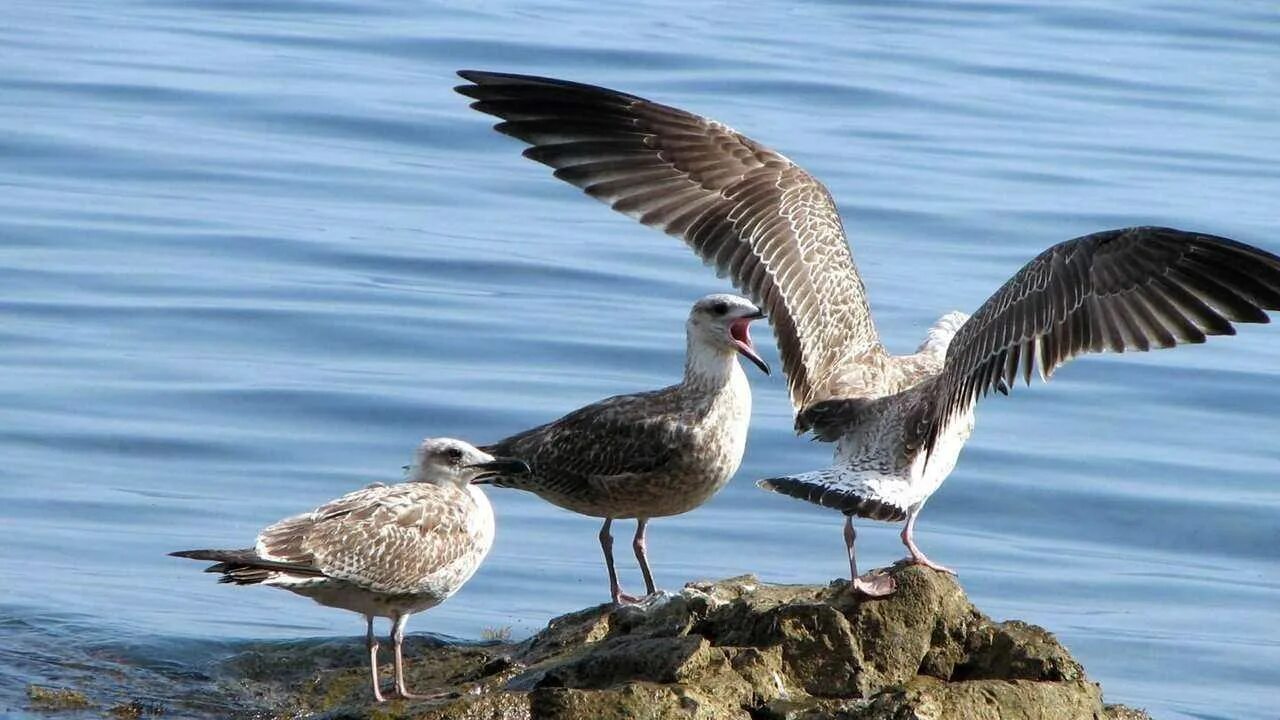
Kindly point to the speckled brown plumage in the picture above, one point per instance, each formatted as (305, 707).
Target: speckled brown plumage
(754, 214)
(899, 420)
(1132, 289)
(407, 546)
(406, 539)
(383, 551)
(648, 454)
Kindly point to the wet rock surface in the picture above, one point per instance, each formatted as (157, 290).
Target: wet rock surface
(737, 648)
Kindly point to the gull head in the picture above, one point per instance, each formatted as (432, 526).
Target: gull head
(446, 461)
(723, 321)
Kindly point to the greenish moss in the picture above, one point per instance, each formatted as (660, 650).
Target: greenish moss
(133, 710)
(338, 688)
(47, 698)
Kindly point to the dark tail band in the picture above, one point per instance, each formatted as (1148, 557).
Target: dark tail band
(813, 488)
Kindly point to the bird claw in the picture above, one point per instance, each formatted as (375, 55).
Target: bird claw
(875, 584)
(625, 599)
(621, 598)
(921, 559)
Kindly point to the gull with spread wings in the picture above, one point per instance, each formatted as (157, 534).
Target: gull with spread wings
(898, 421)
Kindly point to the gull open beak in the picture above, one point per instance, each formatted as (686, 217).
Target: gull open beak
(499, 466)
(740, 334)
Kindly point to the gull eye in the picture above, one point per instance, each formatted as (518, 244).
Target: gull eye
(454, 454)
(720, 307)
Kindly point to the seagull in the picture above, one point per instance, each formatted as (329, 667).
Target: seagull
(650, 454)
(383, 551)
(898, 421)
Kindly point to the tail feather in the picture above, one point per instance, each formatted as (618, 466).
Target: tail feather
(245, 567)
(822, 487)
(217, 555)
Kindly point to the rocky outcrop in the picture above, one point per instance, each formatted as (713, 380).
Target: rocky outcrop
(736, 648)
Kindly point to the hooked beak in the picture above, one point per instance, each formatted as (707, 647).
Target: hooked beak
(740, 334)
(499, 466)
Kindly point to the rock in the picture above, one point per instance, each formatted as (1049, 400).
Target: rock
(737, 648)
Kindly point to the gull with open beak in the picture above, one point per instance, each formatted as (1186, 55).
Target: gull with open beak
(650, 454)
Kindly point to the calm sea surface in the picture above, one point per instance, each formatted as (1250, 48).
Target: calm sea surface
(252, 252)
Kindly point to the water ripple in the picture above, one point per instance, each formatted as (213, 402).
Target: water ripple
(252, 252)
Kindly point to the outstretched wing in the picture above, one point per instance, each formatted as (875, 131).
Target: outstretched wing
(383, 538)
(1130, 289)
(752, 213)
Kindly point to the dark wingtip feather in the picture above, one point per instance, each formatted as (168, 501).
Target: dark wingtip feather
(492, 77)
(489, 77)
(483, 78)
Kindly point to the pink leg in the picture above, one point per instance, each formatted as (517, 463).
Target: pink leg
(371, 642)
(397, 640)
(606, 544)
(872, 584)
(908, 538)
(642, 556)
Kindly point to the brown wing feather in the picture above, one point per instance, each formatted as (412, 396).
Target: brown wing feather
(288, 540)
(1130, 289)
(384, 538)
(752, 213)
(622, 435)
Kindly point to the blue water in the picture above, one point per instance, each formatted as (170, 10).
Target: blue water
(251, 252)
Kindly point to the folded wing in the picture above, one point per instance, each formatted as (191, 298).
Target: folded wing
(382, 538)
(624, 435)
